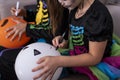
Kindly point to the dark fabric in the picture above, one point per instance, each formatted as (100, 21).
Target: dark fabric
(2, 48)
(95, 25)
(7, 60)
(36, 34)
(75, 77)
(30, 12)
(69, 74)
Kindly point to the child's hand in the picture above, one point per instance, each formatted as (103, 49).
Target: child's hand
(16, 30)
(48, 66)
(21, 12)
(56, 42)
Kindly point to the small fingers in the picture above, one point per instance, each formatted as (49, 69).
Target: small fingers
(62, 43)
(55, 41)
(13, 11)
(43, 71)
(40, 66)
(47, 76)
(51, 75)
(9, 29)
(14, 36)
(10, 34)
(20, 36)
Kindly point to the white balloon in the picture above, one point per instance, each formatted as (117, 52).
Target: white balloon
(29, 55)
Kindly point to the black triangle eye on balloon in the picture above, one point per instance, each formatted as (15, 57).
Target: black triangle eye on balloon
(36, 52)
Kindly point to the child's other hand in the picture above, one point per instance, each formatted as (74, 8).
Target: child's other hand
(21, 12)
(16, 30)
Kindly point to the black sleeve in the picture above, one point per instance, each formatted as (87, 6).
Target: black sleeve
(99, 27)
(36, 33)
(30, 12)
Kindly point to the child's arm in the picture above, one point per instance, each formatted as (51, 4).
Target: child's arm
(93, 57)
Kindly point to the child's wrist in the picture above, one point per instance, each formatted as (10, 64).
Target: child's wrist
(59, 61)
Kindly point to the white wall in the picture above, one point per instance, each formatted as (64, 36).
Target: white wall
(115, 12)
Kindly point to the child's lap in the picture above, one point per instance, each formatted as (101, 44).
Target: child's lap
(75, 77)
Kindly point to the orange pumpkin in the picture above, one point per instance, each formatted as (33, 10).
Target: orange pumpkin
(5, 42)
